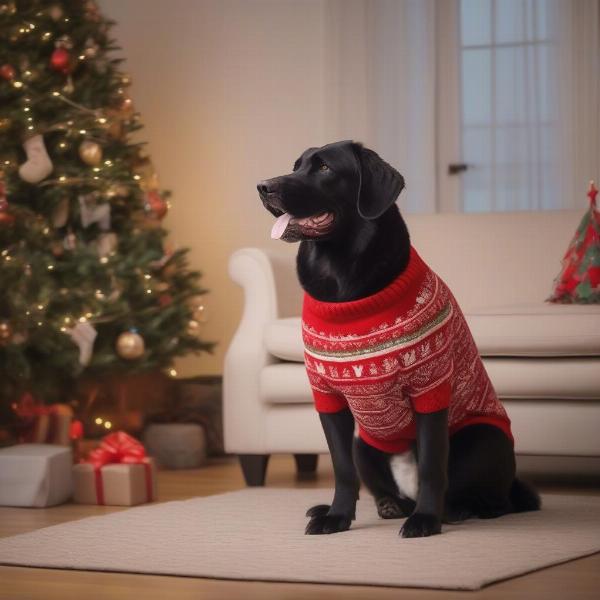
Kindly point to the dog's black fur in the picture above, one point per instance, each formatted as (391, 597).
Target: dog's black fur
(471, 474)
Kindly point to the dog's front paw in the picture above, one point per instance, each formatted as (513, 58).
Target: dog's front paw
(421, 525)
(321, 522)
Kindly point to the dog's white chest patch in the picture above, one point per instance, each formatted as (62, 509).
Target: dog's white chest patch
(404, 471)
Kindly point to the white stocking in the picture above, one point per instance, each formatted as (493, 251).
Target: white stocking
(38, 165)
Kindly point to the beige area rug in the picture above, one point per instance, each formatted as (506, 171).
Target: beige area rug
(258, 534)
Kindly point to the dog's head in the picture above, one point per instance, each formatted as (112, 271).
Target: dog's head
(329, 188)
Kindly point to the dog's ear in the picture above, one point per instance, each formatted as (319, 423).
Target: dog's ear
(379, 184)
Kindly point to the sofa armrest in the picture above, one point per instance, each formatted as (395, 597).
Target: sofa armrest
(264, 278)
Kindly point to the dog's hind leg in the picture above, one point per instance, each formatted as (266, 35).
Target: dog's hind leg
(375, 471)
(481, 470)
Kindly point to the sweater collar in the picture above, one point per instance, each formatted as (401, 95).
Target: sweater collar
(402, 291)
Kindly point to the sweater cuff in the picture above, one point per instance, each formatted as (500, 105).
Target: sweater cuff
(328, 403)
(434, 399)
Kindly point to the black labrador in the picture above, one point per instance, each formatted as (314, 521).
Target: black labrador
(340, 204)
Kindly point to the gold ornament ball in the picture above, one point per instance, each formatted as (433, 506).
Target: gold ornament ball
(90, 153)
(5, 332)
(56, 12)
(130, 345)
(193, 327)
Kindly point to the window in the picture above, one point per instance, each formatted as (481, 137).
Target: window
(508, 120)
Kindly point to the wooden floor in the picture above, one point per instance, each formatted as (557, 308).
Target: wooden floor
(573, 580)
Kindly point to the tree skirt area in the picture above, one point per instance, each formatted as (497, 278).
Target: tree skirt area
(258, 534)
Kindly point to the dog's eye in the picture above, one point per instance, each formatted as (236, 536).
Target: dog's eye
(323, 167)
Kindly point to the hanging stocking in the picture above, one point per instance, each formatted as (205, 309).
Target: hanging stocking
(38, 165)
(83, 334)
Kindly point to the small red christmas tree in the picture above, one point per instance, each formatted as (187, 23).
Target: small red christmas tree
(579, 280)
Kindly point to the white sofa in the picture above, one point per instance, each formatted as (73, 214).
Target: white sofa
(543, 359)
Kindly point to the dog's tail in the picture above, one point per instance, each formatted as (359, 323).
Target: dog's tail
(523, 497)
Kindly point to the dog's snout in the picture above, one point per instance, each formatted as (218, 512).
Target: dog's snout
(263, 189)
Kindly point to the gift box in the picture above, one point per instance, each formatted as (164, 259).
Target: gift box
(35, 475)
(116, 473)
(41, 424)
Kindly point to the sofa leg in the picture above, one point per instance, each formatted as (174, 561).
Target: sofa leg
(254, 468)
(306, 465)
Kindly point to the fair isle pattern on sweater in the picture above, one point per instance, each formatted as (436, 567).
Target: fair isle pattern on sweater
(405, 349)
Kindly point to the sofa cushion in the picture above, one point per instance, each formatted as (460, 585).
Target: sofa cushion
(576, 379)
(539, 330)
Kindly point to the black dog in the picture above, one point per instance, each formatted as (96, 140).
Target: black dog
(339, 202)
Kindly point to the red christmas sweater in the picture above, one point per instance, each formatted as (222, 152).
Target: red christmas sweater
(403, 350)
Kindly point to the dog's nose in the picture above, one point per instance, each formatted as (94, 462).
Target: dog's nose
(263, 189)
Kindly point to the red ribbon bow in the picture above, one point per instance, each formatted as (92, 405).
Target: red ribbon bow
(119, 448)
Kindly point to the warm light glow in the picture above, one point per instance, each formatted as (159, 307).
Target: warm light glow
(18, 84)
(40, 307)
(50, 267)
(82, 131)
(172, 372)
(89, 315)
(104, 260)
(107, 424)
(55, 93)
(98, 421)
(82, 320)
(62, 178)
(137, 177)
(102, 120)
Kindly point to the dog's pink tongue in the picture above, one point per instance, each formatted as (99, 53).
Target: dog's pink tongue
(280, 226)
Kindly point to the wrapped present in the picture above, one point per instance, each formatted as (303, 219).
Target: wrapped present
(35, 475)
(117, 473)
(41, 424)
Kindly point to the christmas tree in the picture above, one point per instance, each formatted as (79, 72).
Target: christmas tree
(88, 285)
(579, 279)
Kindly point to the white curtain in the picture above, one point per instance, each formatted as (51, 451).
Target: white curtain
(380, 86)
(578, 99)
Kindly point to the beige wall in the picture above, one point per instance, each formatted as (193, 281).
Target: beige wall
(230, 92)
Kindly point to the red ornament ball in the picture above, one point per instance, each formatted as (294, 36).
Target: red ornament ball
(7, 72)
(5, 217)
(61, 61)
(155, 204)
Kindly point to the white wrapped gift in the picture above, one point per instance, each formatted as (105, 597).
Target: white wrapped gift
(35, 475)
